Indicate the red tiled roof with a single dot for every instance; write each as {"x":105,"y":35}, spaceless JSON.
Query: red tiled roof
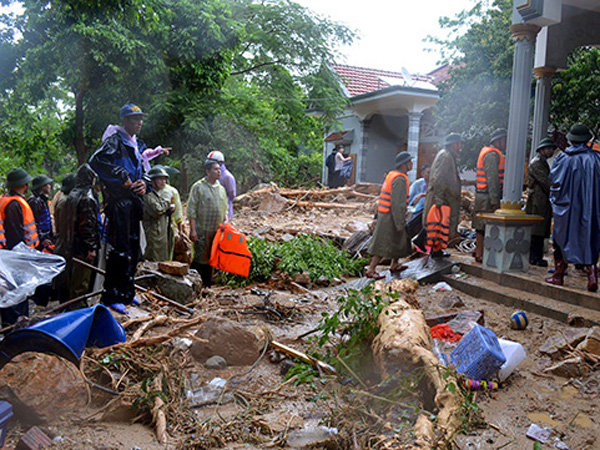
{"x":361,"y":80}
{"x":440,"y":74}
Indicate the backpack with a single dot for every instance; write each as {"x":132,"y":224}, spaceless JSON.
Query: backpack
{"x":330,"y":162}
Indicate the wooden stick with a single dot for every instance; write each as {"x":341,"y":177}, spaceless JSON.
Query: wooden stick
{"x":141,"y":288}
{"x":304,"y":357}
{"x":328,"y":205}
{"x":55,"y":308}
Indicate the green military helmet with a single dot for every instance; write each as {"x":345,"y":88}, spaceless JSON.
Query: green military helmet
{"x":546,"y":142}
{"x":156,"y":172}
{"x":40,"y":181}
{"x":452,"y":138}
{"x":579,"y":133}
{"x":17,"y":177}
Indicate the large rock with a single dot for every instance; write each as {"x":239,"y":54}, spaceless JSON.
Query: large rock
{"x":42,"y":388}
{"x":228,"y":339}
{"x":182,"y":289}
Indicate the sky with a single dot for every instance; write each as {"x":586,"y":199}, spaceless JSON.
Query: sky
{"x":392,"y":31}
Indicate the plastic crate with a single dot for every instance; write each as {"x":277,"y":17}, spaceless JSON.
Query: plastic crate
{"x":6,"y":412}
{"x":478,"y":354}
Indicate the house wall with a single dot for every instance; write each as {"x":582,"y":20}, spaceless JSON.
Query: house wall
{"x":386,"y":136}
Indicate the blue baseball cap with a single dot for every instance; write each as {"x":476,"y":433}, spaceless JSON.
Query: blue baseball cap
{"x":131,"y":110}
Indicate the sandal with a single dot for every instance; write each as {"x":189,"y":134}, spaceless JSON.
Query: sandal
{"x":374,"y":275}
{"x":119,"y":307}
{"x":398,"y":268}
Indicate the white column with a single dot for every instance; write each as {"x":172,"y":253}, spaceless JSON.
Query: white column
{"x":518,"y":116}
{"x":541,"y":108}
{"x":414,"y":126}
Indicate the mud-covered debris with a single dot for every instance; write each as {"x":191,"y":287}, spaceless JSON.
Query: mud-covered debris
{"x":569,"y":368}
{"x":591,"y":343}
{"x":311,"y":436}
{"x":559,"y":343}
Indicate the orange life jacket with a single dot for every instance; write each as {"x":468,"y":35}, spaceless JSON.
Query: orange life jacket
{"x":229,"y":251}
{"x":482,"y":182}
{"x":31,"y":235}
{"x":438,"y":227}
{"x":385,"y":196}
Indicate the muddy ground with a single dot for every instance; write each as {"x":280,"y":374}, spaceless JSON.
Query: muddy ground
{"x":267,"y":411}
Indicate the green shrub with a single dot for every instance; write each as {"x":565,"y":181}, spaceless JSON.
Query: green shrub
{"x":304,"y":253}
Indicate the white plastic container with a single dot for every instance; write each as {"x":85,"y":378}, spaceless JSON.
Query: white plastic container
{"x":514,"y":353}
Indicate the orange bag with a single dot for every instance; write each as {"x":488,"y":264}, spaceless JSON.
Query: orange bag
{"x":230,"y":252}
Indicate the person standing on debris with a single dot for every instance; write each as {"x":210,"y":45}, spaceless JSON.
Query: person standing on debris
{"x":177,"y":216}
{"x":538,"y":199}
{"x":82,"y":230}
{"x":575,"y":198}
{"x":118,"y":163}
{"x":61,"y":282}
{"x":443,"y":191}
{"x":490,"y":182}
{"x":17,"y":224}
{"x":206,"y":210}
{"x":158,"y":209}
{"x":39,"y":202}
{"x":227,"y":180}
{"x":390,"y":239}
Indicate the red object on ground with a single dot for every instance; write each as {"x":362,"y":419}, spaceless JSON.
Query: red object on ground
{"x":443,"y":332}
{"x":229,"y":251}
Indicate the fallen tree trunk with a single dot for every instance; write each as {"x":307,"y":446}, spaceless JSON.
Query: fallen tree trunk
{"x":403,"y":346}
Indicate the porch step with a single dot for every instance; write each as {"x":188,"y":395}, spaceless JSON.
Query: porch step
{"x":525,"y":292}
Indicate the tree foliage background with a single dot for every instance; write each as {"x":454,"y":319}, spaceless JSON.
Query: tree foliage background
{"x":475,"y":99}
{"x":232,"y":75}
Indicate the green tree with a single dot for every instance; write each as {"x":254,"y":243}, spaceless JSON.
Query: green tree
{"x":576,"y":91}
{"x":108,"y":53}
{"x":475,"y":99}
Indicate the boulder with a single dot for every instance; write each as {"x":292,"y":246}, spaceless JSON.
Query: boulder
{"x":227,"y":339}
{"x":182,"y":289}
{"x":42,"y":388}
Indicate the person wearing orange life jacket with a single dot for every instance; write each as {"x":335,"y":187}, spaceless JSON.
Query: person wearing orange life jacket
{"x":390,"y":239}
{"x":444,"y":190}
{"x":17,"y":225}
{"x":490,"y":181}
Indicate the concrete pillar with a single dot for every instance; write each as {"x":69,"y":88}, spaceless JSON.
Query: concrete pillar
{"x":518,"y":116}
{"x":541,"y":108}
{"x":508,"y":230}
{"x":364,"y":150}
{"x":414,"y":126}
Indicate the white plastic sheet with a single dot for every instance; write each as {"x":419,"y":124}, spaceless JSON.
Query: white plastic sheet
{"x":22,"y":269}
